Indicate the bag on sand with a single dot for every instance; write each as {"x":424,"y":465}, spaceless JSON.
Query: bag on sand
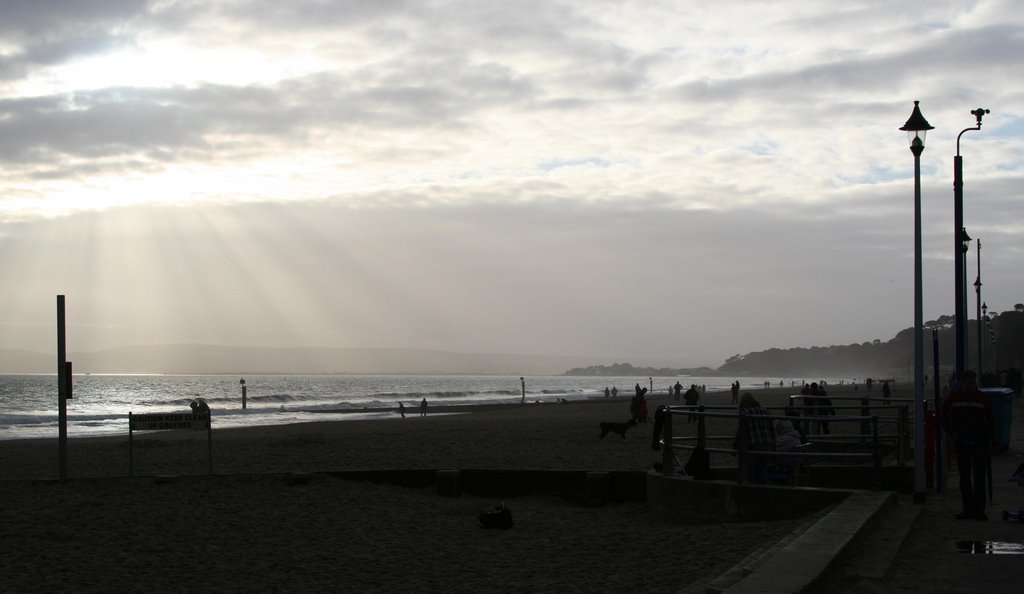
{"x":699,"y":464}
{"x":500,"y":518}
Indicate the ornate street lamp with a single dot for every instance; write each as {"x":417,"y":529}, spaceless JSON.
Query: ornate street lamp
{"x":916,"y":128}
{"x":959,"y":275}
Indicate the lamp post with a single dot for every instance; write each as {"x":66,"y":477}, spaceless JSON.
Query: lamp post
{"x":977,"y":303}
{"x":958,"y":225}
{"x":916,"y":128}
{"x":982,"y":325}
{"x":965,"y":249}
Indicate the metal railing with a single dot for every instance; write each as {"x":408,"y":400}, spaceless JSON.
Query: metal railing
{"x":872,"y":440}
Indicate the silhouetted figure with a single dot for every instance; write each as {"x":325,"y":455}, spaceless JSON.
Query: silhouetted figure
{"x":691,"y":397}
{"x":967,"y":418}
{"x":885,"y":389}
{"x":615,"y":392}
{"x":636,"y":403}
{"x":755,"y":432}
{"x":607,"y":393}
{"x":401,"y":409}
{"x":679,"y":390}
{"x":823,"y":405}
{"x":423,"y":408}
{"x":736,"y":392}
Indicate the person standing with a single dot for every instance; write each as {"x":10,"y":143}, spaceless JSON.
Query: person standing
{"x":607,"y":393}
{"x":967,"y":418}
{"x":691,"y":397}
{"x":423,"y":408}
{"x":679,"y":390}
{"x":736,"y":392}
{"x":401,"y":408}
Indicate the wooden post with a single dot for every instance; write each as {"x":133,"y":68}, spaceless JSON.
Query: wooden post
{"x":62,"y":385}
{"x":667,"y":454}
{"x":902,"y":427}
{"x":877,"y":475}
{"x":865,"y":410}
{"x":209,"y":437}
{"x":131,"y":449}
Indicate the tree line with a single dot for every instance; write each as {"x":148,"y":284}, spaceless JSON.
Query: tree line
{"x":1002,"y":337}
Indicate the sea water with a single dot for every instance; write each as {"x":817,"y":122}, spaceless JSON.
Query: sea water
{"x":100,"y":403}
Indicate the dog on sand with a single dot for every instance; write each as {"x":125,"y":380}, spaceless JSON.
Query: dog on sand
{"x":619,"y":428}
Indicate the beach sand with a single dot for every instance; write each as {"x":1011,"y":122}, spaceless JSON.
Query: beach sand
{"x":246,"y":528}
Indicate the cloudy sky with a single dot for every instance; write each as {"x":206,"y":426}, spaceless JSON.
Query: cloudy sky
{"x":636,"y":181}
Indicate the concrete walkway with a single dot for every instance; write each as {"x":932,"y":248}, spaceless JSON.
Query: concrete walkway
{"x":883,"y":542}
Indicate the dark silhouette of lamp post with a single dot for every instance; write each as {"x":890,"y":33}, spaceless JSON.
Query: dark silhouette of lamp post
{"x":916,"y":128}
{"x":982,"y":325}
{"x":965,"y":249}
{"x":959,"y":274}
{"x":977,"y":303}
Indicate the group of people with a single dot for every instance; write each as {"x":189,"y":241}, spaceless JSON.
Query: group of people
{"x":817,"y":403}
{"x":423,"y":408}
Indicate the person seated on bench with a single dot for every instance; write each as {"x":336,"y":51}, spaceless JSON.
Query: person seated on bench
{"x":787,"y":438}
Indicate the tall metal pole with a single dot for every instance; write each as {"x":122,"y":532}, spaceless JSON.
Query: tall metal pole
{"x":916,"y":128}
{"x":919,"y":479}
{"x":958,"y":255}
{"x":977,"y":297}
{"x":62,"y":384}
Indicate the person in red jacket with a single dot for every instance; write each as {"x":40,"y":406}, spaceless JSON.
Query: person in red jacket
{"x":967,"y":418}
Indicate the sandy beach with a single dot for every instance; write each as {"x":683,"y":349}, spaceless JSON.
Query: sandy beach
{"x":248,"y":528}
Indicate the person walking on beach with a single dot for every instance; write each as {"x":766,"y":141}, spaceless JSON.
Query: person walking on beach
{"x":967,"y":418}
{"x":607,"y":393}
{"x":401,"y":409}
{"x":615,"y":392}
{"x":423,"y":408}
{"x":736,"y":392}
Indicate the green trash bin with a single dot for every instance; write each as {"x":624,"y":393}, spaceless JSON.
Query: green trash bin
{"x":1002,"y":415}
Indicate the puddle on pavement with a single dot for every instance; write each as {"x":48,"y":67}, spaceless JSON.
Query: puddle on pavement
{"x":986,"y":547}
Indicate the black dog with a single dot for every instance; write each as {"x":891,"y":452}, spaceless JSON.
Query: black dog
{"x":619,"y":428}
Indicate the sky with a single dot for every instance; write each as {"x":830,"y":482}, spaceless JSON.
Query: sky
{"x":639,"y":182}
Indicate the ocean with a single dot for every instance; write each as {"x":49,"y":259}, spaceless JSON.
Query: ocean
{"x":101,"y":403}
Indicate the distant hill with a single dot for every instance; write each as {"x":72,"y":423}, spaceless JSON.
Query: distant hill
{"x":628,"y":370}
{"x":207,"y":359}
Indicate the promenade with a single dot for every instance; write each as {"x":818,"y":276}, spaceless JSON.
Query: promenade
{"x":870,"y":546}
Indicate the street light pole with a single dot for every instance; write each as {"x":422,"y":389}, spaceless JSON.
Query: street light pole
{"x":916,"y":128}
{"x":984,"y":326}
{"x":977,"y":299}
{"x":958,"y":225}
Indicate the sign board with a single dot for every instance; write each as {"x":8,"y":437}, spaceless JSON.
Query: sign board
{"x":169,"y":421}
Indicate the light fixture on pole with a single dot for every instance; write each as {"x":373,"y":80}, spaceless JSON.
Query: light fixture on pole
{"x":916,"y":128}
{"x":958,"y":224}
